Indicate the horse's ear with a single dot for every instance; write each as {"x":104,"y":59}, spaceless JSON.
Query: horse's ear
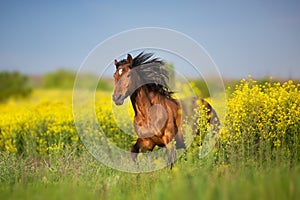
{"x":116,"y":63}
{"x":129,"y":59}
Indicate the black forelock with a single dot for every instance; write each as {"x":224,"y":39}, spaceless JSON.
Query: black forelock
{"x":122,"y":62}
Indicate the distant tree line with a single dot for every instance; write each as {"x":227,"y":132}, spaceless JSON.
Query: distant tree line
{"x":14,"y":84}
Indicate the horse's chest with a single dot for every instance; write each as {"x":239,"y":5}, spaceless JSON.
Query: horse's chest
{"x":145,"y":128}
{"x":141,"y":121}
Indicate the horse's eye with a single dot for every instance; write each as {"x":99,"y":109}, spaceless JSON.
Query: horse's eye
{"x":120,"y":71}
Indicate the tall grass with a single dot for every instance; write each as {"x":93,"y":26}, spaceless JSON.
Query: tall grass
{"x":81,"y":177}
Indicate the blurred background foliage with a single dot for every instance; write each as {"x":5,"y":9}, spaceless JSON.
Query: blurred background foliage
{"x":64,"y":79}
{"x":13,"y":84}
{"x":17,"y":85}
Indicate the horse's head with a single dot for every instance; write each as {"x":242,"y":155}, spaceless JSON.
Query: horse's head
{"x":124,"y":81}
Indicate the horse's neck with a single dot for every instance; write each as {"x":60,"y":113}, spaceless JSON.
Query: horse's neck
{"x":141,"y":102}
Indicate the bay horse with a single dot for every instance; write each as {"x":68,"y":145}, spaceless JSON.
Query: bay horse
{"x":157,"y":115}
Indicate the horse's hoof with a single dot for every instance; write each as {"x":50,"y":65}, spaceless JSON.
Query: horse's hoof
{"x":172,"y":165}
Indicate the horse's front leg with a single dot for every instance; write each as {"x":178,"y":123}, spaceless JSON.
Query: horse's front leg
{"x":167,"y":139}
{"x":135,"y":149}
{"x":143,"y":145}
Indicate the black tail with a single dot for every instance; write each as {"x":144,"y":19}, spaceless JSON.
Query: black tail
{"x":212,"y":118}
{"x":190,"y":105}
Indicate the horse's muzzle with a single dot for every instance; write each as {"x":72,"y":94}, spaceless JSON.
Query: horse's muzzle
{"x":118,"y":99}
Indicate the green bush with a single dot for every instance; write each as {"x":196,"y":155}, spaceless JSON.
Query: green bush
{"x":13,"y":84}
{"x":201,"y":85}
{"x":65,"y":79}
{"x":61,"y":78}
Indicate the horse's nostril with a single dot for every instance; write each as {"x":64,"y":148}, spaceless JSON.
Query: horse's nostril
{"x":117,"y":97}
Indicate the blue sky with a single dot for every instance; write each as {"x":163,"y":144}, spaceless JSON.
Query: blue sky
{"x":243,"y":37}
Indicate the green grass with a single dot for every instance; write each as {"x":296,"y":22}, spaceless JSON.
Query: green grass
{"x":71,"y":176}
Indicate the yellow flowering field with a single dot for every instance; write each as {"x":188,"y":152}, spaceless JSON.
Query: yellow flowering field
{"x":41,"y":124}
{"x":44,"y":124}
{"x":262,"y":120}
{"x":259,"y":118}
{"x":256,"y":155}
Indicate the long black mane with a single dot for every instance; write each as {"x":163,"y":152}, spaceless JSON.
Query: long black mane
{"x":152,"y":72}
